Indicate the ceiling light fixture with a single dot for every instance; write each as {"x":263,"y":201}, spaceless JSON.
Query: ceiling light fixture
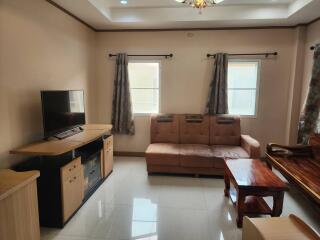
{"x":124,"y":2}
{"x":199,"y":4}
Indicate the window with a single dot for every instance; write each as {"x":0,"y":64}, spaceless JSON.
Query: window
{"x":243,"y":83}
{"x":144,"y":80}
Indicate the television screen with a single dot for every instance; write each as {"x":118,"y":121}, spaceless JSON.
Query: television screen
{"x":62,"y":111}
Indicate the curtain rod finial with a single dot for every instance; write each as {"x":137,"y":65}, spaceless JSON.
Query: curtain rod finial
{"x":274,"y":54}
{"x":211,"y":55}
{"x":169,"y":56}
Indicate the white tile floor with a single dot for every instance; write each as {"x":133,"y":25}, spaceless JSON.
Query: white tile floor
{"x":132,"y":205}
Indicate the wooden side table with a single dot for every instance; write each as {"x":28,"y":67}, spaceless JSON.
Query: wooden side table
{"x":19,"y":218}
{"x":251,"y":180}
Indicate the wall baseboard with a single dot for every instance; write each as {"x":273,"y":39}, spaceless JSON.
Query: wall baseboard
{"x":129,"y":154}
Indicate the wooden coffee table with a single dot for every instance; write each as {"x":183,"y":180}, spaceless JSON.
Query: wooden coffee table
{"x":247,"y":181}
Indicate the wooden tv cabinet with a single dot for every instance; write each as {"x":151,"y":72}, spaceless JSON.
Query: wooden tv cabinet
{"x":62,"y":186}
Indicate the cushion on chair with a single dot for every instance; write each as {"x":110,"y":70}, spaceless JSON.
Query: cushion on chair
{"x":163,"y":154}
{"x":195,"y":155}
{"x":164,"y":128}
{"x":225,"y":130}
{"x":194,"y":129}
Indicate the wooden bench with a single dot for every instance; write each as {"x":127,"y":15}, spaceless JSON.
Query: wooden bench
{"x":299,"y":166}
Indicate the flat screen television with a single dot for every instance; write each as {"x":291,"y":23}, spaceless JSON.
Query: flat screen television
{"x":62,"y":111}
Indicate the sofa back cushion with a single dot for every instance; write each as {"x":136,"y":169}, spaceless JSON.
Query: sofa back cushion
{"x":165,"y":128}
{"x":225,"y":130}
{"x":194,"y":129}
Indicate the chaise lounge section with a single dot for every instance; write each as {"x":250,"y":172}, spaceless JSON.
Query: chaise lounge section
{"x":196,"y":144}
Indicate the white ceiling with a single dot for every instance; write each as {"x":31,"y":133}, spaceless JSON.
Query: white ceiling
{"x":170,"y":3}
{"x":157,"y":14}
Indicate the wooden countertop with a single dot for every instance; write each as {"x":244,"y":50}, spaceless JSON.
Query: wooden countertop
{"x":11,"y":181}
{"x":56,"y":147}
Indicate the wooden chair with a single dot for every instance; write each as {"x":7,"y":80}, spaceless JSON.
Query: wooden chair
{"x":299,"y":164}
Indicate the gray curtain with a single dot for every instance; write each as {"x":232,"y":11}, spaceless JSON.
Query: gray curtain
{"x":218,"y":95}
{"x":122,"y":117}
{"x":309,"y":119}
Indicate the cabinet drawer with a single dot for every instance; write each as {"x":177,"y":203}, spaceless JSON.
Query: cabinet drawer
{"x":107,"y":162}
{"x":108,"y":143}
{"x":71,"y":168}
{"x":72,"y":194}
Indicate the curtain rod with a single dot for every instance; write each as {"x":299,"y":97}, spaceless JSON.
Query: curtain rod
{"x":248,"y":54}
{"x":146,"y":55}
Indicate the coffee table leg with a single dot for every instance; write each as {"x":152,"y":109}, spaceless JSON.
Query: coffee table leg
{"x":240,"y":207}
{"x":227,"y":185}
{"x":277,"y":204}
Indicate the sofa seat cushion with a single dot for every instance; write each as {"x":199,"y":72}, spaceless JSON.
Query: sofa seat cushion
{"x":163,"y":154}
{"x":196,"y":155}
{"x":220,"y":152}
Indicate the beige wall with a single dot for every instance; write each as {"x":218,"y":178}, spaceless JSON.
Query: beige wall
{"x":41,"y":48}
{"x":296,"y":81}
{"x":185,"y":78}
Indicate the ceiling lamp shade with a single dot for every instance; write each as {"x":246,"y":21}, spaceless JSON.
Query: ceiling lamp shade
{"x":199,"y":4}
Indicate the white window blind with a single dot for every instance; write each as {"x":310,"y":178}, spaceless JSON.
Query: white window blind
{"x":243,"y":81}
{"x":144,"y":77}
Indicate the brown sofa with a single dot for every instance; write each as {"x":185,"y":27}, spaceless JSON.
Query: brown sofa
{"x":196,"y":144}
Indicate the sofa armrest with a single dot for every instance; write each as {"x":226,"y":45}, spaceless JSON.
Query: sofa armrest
{"x":251,"y":146}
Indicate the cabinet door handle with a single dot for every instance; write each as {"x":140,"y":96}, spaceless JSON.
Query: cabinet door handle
{"x":74,"y":166}
{"x":72,"y":180}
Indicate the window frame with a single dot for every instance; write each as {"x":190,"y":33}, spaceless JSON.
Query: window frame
{"x":160,"y":82}
{"x":258,"y":61}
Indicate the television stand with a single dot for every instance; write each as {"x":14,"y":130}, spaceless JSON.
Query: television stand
{"x":68,"y":133}
{"x":71,"y":169}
